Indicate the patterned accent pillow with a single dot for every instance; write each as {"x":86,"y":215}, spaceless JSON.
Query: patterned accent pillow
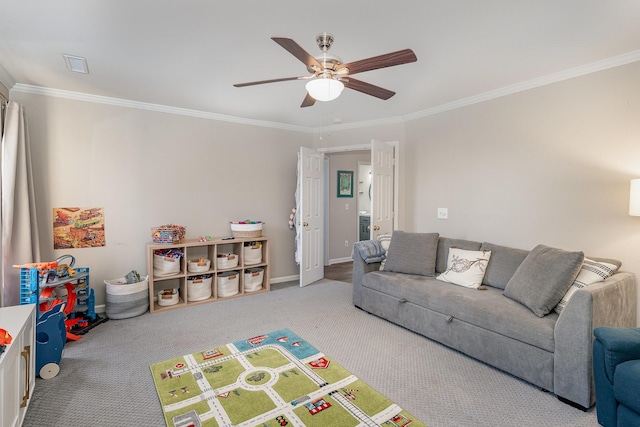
{"x":385,"y":241}
{"x":465,"y":268}
{"x":590,"y":273}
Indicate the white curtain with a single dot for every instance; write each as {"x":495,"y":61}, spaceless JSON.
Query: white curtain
{"x":20,"y":243}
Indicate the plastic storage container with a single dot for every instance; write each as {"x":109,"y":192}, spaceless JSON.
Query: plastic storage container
{"x":228,"y":283}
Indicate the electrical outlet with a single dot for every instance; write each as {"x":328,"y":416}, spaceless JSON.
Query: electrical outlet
{"x":443,"y":213}
{"x":346,"y":243}
{"x":346,"y":206}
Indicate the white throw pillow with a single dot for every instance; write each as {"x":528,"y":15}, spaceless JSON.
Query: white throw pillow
{"x":385,"y":241}
{"x":465,"y":268}
{"x":590,"y":273}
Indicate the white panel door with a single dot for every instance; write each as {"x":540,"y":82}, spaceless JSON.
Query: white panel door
{"x":382,"y":185}
{"x":311,"y":215}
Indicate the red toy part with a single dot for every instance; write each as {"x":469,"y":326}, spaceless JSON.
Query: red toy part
{"x":5,"y":337}
{"x":70,"y":303}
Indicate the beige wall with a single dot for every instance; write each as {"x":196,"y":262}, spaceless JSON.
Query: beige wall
{"x":149,"y":168}
{"x":343,"y":221}
{"x":550,"y":165}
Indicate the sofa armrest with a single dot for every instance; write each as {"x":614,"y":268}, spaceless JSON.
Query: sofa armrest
{"x":612,"y":302}
{"x":619,"y":345}
{"x":360,"y":268}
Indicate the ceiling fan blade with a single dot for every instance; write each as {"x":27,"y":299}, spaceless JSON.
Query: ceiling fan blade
{"x":308,"y":101}
{"x":271,"y":81}
{"x":296,"y":50}
{"x":367,"y":88}
{"x":387,"y":60}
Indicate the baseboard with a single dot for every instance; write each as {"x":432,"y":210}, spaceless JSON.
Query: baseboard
{"x":285,"y":279}
{"x":340,"y":260}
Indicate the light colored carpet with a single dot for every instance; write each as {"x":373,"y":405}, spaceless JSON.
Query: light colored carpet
{"x":104,"y":378}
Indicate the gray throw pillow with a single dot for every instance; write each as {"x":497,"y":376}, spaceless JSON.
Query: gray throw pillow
{"x":412,"y":253}
{"x":545,"y":275}
{"x":503,"y":263}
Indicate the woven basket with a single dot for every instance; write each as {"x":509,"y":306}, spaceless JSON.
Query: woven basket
{"x":246,"y":230}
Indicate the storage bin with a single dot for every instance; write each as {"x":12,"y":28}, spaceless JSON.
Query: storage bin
{"x":168,"y":297}
{"x":125,"y":300}
{"x":252,"y":253}
{"x":165,"y":266}
{"x":199,"y":287}
{"x":168,"y":234}
{"x":253,"y":278}
{"x":225,"y":261}
{"x":228,"y":283}
{"x":198,"y":265}
{"x":246,"y":230}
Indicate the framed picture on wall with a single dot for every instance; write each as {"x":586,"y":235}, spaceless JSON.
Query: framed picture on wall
{"x":345,"y":183}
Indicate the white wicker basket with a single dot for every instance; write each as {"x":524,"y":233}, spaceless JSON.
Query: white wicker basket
{"x":224,"y":261}
{"x":246,"y":230}
{"x":228,"y":284}
{"x":199,"y":287}
{"x":253,"y":278}
{"x":253,"y":254}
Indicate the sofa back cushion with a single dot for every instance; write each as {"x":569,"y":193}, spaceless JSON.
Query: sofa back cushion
{"x":545,"y":275}
{"x":444,"y":243}
{"x":412,"y":253}
{"x":503,"y":263}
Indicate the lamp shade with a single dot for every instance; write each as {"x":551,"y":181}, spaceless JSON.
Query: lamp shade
{"x":634,"y":197}
{"x":324,"y":89}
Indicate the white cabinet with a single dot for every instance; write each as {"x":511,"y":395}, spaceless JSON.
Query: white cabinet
{"x":17,"y":363}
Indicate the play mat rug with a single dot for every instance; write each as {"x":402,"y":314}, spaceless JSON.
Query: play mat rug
{"x":277,"y":379}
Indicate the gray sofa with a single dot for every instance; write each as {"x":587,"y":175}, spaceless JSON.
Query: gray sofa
{"x":553,"y":351}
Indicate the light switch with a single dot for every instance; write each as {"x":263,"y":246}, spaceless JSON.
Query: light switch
{"x":443,"y":213}
{"x":346,"y":206}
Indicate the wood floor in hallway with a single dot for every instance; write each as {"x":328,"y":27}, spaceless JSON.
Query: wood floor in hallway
{"x":342,"y":272}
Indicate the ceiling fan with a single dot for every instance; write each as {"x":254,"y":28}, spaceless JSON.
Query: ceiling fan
{"x":329,"y":75}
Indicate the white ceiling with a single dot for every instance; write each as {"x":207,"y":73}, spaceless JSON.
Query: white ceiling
{"x":188,"y":54}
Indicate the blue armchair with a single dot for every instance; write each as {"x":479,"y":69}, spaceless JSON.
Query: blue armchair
{"x":616,"y":371}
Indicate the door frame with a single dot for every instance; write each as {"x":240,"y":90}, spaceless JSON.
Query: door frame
{"x":396,"y":179}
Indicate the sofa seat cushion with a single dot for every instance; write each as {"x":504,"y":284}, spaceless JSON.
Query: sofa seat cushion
{"x":487,"y":309}
{"x":625,"y":384}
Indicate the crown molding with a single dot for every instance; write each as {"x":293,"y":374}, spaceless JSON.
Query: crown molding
{"x":570,"y":73}
{"x":118,"y":102}
{"x":593,"y":67}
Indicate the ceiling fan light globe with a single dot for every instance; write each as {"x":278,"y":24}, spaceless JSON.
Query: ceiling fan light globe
{"x":324,"y":89}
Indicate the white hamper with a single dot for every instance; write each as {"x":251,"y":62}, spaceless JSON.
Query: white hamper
{"x":126,"y":300}
{"x":253,"y":279}
{"x":252,"y":253}
{"x":228,"y":283}
{"x":199,"y":287}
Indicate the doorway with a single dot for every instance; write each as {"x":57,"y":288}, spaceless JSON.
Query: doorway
{"x":316,"y":230}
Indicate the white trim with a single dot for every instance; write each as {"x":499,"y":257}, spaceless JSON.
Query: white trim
{"x":343,"y":148}
{"x":582,"y":70}
{"x":294,"y":278}
{"x":78,"y":96}
{"x":616,"y":61}
{"x":340,"y":260}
